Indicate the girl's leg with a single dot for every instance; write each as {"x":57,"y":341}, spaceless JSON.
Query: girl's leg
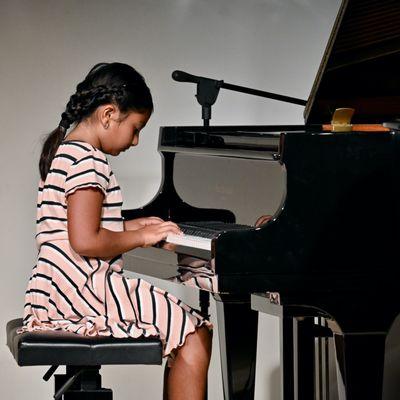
{"x":187,"y":377}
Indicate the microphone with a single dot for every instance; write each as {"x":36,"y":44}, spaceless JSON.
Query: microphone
{"x":181,"y":76}
{"x":207,"y":91}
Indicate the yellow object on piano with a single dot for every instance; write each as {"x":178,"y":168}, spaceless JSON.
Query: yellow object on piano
{"x":341,"y":122}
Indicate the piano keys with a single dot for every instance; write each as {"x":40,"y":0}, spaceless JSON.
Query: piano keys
{"x":187,"y":240}
{"x":200,"y":234}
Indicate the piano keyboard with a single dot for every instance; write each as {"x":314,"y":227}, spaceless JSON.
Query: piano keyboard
{"x":199,"y":234}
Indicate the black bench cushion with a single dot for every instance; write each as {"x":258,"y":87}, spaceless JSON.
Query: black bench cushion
{"x":67,"y":348}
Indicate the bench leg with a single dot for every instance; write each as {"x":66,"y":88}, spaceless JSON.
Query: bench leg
{"x":81,"y":383}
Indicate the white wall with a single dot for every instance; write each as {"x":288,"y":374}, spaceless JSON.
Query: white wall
{"x":46,"y":49}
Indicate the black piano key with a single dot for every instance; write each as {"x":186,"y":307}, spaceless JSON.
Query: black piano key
{"x":209,"y":229}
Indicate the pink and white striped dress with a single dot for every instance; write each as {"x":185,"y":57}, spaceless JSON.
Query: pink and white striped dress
{"x":85,"y":295}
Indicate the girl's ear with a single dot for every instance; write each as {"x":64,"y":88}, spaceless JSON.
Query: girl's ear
{"x":107,"y":112}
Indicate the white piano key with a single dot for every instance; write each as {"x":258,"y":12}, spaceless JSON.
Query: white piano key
{"x":190,"y":241}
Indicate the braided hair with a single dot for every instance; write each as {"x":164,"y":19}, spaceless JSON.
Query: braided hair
{"x":115,"y":83}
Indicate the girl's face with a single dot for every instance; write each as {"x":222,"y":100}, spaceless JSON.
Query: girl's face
{"x":123,"y":131}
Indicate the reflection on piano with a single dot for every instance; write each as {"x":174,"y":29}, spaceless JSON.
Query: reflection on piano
{"x":334,"y":194}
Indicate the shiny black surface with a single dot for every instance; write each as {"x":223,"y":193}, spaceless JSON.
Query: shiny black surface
{"x":340,"y":212}
{"x":232,"y":141}
{"x":210,"y":143}
{"x":169,"y":206}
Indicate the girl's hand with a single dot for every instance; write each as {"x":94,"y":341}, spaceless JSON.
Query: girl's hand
{"x":154,"y":233}
{"x":262,"y":220}
{"x":135,"y":224}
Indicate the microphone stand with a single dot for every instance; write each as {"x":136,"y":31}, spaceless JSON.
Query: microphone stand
{"x":208,"y":90}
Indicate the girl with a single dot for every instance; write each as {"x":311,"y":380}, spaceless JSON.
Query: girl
{"x":77,"y":284}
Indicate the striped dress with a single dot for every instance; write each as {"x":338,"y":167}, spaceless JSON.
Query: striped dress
{"x":86,"y":295}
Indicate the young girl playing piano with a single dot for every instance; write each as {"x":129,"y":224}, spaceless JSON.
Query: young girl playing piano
{"x":77,"y":284}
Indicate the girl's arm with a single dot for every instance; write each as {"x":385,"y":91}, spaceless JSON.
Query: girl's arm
{"x":87,"y":238}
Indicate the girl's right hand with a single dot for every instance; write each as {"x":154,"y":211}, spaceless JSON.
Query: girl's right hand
{"x":134,"y":224}
{"x":152,"y":234}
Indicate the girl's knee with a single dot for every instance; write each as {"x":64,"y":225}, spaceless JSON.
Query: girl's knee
{"x":197,"y":346}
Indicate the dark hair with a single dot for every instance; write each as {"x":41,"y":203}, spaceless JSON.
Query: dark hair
{"x":115,"y":83}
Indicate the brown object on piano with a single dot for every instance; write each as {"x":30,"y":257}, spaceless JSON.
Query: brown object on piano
{"x":360,"y":128}
{"x":341,"y":122}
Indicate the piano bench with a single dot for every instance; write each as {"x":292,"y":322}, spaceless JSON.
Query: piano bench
{"x":83,"y":357}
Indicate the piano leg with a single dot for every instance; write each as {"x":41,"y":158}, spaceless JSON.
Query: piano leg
{"x":297,"y":355}
{"x":237,"y":328}
{"x":287,"y":357}
{"x":305,"y":366}
{"x":204,"y":302}
{"x":361,"y":361}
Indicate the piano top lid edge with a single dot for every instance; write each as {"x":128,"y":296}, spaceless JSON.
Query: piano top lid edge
{"x":240,"y":130}
{"x":359,"y":68}
{"x":223,"y":128}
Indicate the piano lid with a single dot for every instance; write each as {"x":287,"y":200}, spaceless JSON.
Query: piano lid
{"x":360,"y":68}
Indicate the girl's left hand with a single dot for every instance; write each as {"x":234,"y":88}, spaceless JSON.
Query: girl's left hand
{"x":135,"y":224}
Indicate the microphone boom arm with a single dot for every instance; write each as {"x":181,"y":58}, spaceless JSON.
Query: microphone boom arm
{"x":208,"y":90}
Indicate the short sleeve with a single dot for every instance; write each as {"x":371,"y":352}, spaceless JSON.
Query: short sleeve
{"x":90,"y":171}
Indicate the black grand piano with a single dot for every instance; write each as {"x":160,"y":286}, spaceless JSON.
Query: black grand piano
{"x":332,"y":187}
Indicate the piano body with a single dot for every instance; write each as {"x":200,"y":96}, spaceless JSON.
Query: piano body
{"x":333,"y":191}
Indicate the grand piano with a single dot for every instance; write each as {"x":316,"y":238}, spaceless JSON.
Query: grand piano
{"x":332,"y":187}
